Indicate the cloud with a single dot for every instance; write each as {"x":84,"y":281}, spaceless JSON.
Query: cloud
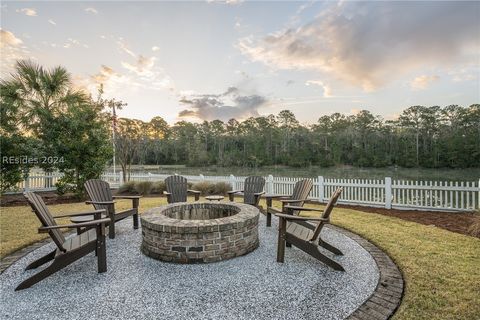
{"x":52,"y":22}
{"x":91,"y":10}
{"x":225,"y":106}
{"x":327,"y":90}
{"x":123,"y":46}
{"x":155,"y":48}
{"x":228,"y":2}
{"x":142,"y":66}
{"x":74,"y":43}
{"x":423,"y":82}
{"x":31,"y":12}
{"x":12,"y":49}
{"x":9,"y":39}
{"x":370,"y":44}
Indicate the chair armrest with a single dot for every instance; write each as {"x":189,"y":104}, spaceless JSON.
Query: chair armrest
{"x":291,"y":217}
{"x":259,"y":193}
{"x":100,"y":202}
{"x":290,"y":200}
{"x":127,"y":197}
{"x":75,"y":225}
{"x":79,"y":214}
{"x":166,"y":193}
{"x":276,"y":196}
{"x":234,"y":191}
{"x":302,"y":208}
{"x":194,"y":191}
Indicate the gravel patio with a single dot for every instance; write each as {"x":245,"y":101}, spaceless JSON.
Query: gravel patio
{"x":253,"y":286}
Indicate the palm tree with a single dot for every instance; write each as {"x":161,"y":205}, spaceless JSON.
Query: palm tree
{"x":37,"y":94}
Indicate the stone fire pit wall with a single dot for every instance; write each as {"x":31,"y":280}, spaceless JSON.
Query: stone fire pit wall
{"x":199,"y":232}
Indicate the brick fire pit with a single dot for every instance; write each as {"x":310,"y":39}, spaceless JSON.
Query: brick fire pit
{"x":199,"y":232}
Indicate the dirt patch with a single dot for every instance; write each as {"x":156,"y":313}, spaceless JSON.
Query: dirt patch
{"x":452,"y":221}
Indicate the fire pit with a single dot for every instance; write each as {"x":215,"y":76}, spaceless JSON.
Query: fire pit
{"x":199,"y":232}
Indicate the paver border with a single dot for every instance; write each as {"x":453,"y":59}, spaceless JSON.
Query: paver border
{"x":381,"y":305}
{"x":387,"y":297}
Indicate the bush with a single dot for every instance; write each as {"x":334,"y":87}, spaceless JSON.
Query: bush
{"x":127,"y":187}
{"x":143,"y":187}
{"x":222,"y":188}
{"x":158,"y":187}
{"x":208,"y":188}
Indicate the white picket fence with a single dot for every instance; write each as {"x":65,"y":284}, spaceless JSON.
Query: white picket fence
{"x":386,"y":193}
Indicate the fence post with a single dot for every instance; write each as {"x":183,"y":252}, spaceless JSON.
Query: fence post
{"x":321,"y":192}
{"x":388,"y":193}
{"x":478,"y":197}
{"x":120,"y":180}
{"x":202,"y":177}
{"x":26,"y":184}
{"x":232,"y":181}
{"x":270,"y":184}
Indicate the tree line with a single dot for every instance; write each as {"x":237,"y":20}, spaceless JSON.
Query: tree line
{"x":430,"y":137}
{"x":47,"y":123}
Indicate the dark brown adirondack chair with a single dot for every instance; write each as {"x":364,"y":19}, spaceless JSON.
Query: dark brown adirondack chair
{"x":101,"y":198}
{"x":252,"y":190}
{"x":68,"y":250}
{"x":177,"y":189}
{"x":306,"y":236}
{"x":299,"y":195}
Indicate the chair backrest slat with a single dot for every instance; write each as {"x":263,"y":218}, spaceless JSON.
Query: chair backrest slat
{"x":301,"y":190}
{"x":43,"y":214}
{"x":99,"y":190}
{"x":326,"y":213}
{"x":253,"y":184}
{"x":177,"y":186}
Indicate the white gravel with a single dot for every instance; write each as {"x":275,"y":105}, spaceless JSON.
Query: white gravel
{"x":254,"y":286}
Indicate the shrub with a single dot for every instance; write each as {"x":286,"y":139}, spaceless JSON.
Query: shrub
{"x":158,"y":187}
{"x":222,"y":188}
{"x":205,"y":188}
{"x":208,"y":188}
{"x":143,"y":187}
{"x":127,"y":187}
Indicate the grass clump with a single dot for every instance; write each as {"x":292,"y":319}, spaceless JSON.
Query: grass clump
{"x":143,"y":187}
{"x":209,"y":188}
{"x":158,"y":187}
{"x":127,"y":187}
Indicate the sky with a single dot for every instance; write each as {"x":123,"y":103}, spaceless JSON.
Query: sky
{"x":206,"y":60}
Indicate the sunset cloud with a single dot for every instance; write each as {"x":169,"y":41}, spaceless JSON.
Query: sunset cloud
{"x":229,"y":105}
{"x":28,"y":12}
{"x":423,"y":82}
{"x":370,"y":44}
{"x":12,"y":50}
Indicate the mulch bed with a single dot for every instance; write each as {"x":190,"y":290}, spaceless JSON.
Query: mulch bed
{"x":455,"y":222}
{"x":458,"y":222}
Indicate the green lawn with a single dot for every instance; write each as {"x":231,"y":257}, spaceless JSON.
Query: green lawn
{"x":441,"y":268}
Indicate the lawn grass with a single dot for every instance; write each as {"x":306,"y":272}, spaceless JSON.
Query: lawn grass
{"x":441,"y":268}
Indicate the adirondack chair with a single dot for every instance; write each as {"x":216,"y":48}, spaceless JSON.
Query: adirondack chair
{"x":252,"y":190}
{"x":68,"y":250}
{"x":177,"y":189}
{"x":297,"y":231}
{"x":300,"y":193}
{"x":101,"y":198}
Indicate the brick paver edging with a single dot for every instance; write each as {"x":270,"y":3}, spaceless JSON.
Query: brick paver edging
{"x":388,"y":294}
{"x":381,"y":305}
